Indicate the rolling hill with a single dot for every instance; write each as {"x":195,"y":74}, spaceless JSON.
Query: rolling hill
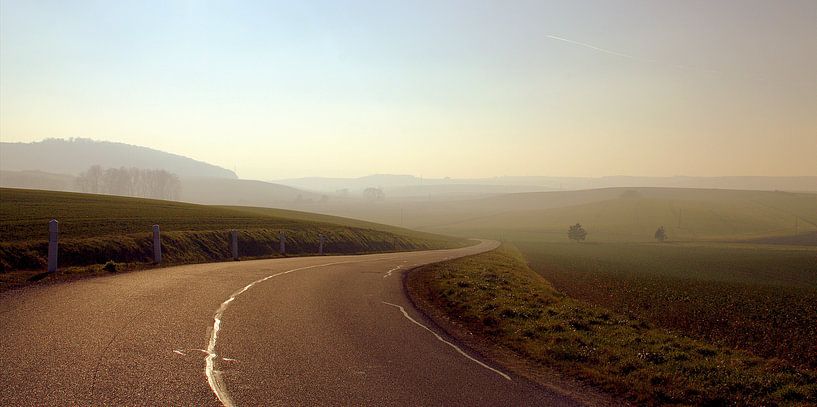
{"x":634,"y":215}
{"x":73,"y":156}
{"x":611,"y":214}
{"x":200,"y":190}
{"x":37,"y":180}
{"x":98,"y":228}
{"x":222,"y":191}
{"x":411,"y":186}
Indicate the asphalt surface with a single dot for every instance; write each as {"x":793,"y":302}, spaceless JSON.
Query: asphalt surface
{"x":309,"y":331}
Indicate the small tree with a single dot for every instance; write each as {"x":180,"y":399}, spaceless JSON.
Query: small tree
{"x":660,"y":234}
{"x":372,"y":194}
{"x":577,"y":232}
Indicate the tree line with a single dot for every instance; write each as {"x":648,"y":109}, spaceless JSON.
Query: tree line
{"x":144,"y":183}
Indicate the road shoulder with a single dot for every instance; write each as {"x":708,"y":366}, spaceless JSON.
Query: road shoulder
{"x":416,"y":284}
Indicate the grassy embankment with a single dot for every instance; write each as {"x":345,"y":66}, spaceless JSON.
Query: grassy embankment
{"x":496,"y":296}
{"x":97,"y":228}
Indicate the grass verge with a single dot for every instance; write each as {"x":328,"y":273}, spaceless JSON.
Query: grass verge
{"x":498,"y":298}
{"x":96,"y":229}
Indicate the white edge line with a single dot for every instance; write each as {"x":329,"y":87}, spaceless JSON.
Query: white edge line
{"x":388,"y":273}
{"x":214,"y":376}
{"x":461,"y":352}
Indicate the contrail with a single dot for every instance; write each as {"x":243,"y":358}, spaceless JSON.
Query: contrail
{"x":628,"y":56}
{"x":678,"y":66}
{"x":593,"y":47}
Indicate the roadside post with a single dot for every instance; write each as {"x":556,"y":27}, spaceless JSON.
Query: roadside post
{"x":282,"y":238}
{"x":53,"y":237}
{"x":320,"y":245}
{"x":157,"y":245}
{"x":234,"y":243}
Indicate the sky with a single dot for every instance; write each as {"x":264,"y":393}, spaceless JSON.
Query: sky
{"x":430,"y":88}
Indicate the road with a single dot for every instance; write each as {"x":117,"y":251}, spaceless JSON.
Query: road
{"x":331,"y":330}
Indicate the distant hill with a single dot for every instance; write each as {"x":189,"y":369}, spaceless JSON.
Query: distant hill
{"x":409,"y":186}
{"x":53,"y":165}
{"x":213,"y":191}
{"x":624,"y":214}
{"x":200,"y":190}
{"x":73,"y":156}
{"x":37,"y":180}
{"x":611,"y":214}
{"x":328,"y":184}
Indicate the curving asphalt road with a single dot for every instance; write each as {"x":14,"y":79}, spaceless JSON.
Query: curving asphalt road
{"x":299,"y":331}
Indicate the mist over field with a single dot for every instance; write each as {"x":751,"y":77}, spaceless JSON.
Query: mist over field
{"x":303,"y":203}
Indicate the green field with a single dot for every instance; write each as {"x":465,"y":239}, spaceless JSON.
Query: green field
{"x":98,"y":228}
{"x":497,"y":297}
{"x":762,"y":299}
{"x":739,"y":269}
{"x":24,"y":215}
{"x":739,"y":272}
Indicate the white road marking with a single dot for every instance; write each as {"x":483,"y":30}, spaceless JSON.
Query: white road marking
{"x":461,"y":352}
{"x":213,"y":375}
{"x":184,"y":352}
{"x":388,"y":273}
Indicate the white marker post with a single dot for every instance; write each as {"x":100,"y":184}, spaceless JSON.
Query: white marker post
{"x":53,"y":237}
{"x":283,"y":240}
{"x":321,"y":239}
{"x":234,"y":240}
{"x":157,"y":245}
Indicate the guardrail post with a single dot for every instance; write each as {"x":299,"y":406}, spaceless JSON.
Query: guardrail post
{"x":234,"y":243}
{"x":53,"y":246}
{"x":320,"y":244}
{"x":157,"y":245}
{"x":283,"y":239}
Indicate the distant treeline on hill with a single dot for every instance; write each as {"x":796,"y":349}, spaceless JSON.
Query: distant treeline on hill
{"x":144,"y":183}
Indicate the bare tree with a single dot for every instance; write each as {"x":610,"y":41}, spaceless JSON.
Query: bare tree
{"x":372,"y":194}
{"x":158,"y":184}
{"x":90,"y":180}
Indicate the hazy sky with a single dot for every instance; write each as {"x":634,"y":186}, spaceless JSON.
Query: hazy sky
{"x":461,"y":89}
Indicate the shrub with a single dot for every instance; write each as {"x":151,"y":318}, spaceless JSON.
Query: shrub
{"x":110,"y":266}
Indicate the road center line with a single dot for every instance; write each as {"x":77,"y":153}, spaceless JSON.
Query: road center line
{"x":461,"y":352}
{"x":213,"y":375}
